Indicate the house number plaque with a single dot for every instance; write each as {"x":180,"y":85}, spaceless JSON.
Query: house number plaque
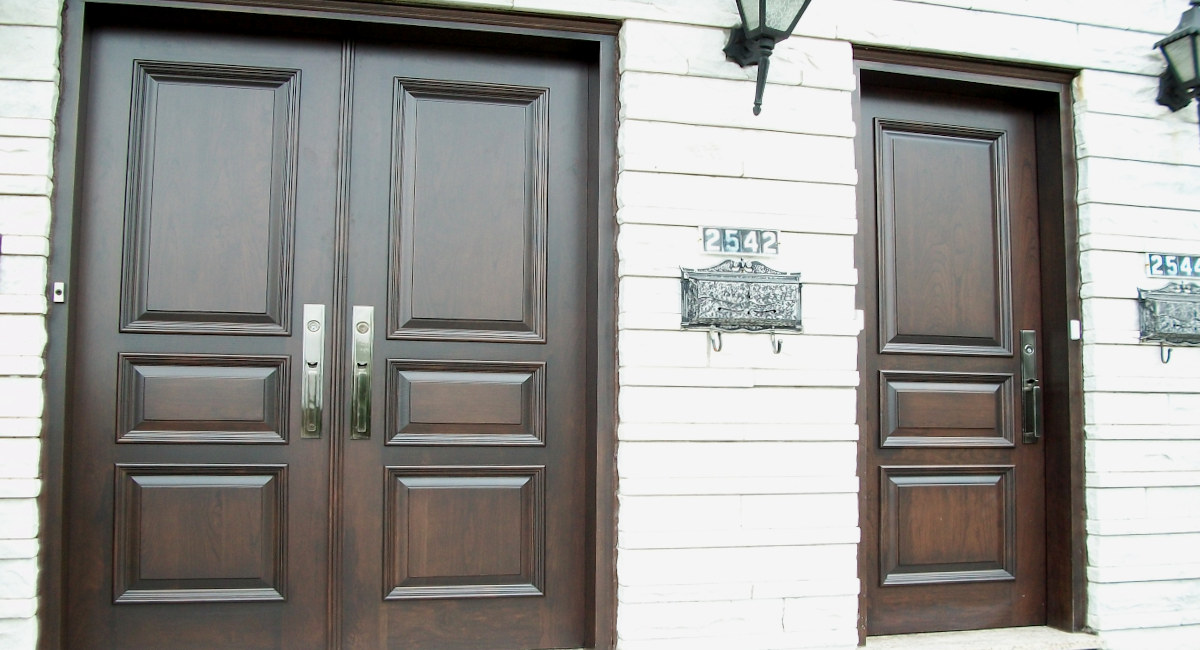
{"x":740,"y":295}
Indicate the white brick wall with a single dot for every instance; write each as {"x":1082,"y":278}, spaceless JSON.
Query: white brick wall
{"x":29,"y":39}
{"x":737,"y":491}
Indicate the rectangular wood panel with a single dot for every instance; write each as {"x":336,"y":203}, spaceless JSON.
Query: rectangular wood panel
{"x":947,"y":524}
{"x":944,"y":268}
{"x":937,"y":409}
{"x":202,"y":398}
{"x":210,"y":199}
{"x":466,"y":403}
{"x":469,"y":211}
{"x":464,"y":532}
{"x":200,"y":533}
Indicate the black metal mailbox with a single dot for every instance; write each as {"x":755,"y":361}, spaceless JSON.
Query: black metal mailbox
{"x":740,"y":295}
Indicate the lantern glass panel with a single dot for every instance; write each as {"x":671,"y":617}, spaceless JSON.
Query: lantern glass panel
{"x":751,"y":14}
{"x":781,"y":14}
{"x":1182,"y":55}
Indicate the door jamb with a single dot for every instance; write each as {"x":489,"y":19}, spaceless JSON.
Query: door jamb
{"x":1048,"y":92}
{"x":601,"y":357}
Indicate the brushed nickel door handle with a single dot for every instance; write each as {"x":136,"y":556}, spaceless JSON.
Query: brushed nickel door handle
{"x":313,"y":373}
{"x":364,"y":322}
{"x":1031,"y":389}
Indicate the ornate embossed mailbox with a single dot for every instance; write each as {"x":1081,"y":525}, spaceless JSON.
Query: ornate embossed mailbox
{"x":740,"y":295}
{"x":1170,"y":315}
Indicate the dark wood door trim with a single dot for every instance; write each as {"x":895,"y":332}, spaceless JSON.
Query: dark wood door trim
{"x":595,"y":39}
{"x":1047,"y":92}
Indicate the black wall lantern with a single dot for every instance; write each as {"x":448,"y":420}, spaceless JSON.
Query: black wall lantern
{"x":1179,"y":83}
{"x":764,"y":23}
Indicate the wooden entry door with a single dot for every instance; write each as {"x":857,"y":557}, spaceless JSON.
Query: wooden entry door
{"x":954,"y":523}
{"x":230,"y":182}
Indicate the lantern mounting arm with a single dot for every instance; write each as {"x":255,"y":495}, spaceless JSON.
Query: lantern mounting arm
{"x":745,"y":53}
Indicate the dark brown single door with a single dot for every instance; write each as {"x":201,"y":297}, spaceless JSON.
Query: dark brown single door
{"x":468,"y":493}
{"x":954,"y":527}
{"x":231,"y":181}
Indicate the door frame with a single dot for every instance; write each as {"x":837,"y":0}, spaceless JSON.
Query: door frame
{"x":1047,"y":92}
{"x":597,"y":37}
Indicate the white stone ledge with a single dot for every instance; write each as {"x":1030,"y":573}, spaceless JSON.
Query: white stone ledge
{"x":634,"y":539}
{"x":701,"y":216}
{"x":1108,"y":479}
{"x":828,"y":484}
{"x":1129,"y":574}
{"x":694,"y":432}
{"x":1015,"y":638}
{"x":1142,"y":432}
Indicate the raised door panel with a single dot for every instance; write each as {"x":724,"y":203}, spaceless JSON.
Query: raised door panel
{"x":945,"y":285}
{"x":933,"y":409}
{"x":947,"y":524}
{"x":469,"y":211}
{"x":466,"y":403}
{"x":203,"y":398}
{"x":465,"y":532}
{"x":210,"y":199}
{"x":192,"y":533}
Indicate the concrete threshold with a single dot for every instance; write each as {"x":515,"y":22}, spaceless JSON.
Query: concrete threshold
{"x":1011,"y":638}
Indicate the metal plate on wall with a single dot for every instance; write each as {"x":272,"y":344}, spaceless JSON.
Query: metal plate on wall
{"x":740,"y":295}
{"x":1171,"y":314}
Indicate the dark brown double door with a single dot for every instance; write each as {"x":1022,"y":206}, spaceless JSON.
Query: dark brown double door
{"x":954,"y":515}
{"x":241,"y":196}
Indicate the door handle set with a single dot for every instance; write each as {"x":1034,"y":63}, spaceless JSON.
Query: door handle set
{"x":313,"y":372}
{"x":1031,"y":389}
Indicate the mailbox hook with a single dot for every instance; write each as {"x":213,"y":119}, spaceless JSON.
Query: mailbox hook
{"x":1164,"y":353}
{"x":714,"y":339}
{"x":776,"y":344}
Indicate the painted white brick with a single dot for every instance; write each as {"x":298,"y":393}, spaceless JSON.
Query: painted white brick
{"x":31,"y":53}
{"x":24,"y":245}
{"x":727,"y":103}
{"x":1175,"y":637}
{"x":708,"y":192}
{"x":17,"y":427}
{"x":699,"y":619}
{"x":844,"y":224}
{"x":26,"y":127}
{"x":1137,"y":138}
{"x":23,"y":304}
{"x":715,"y":151}
{"x":18,"y":548}
{"x":678,"y":485}
{"x":23,"y":335}
{"x":18,"y":578}
{"x":1099,"y":91}
{"x":736,"y":406}
{"x":1141,"y":456}
{"x":25,"y":215}
{"x":836,"y":613}
{"x":760,"y":460}
{"x":27,"y":99}
{"x":13,"y":488}
{"x":814,"y":640}
{"x":1150,"y":16}
{"x":657,"y":431}
{"x":799,"y":510}
{"x":737,"y":538}
{"x":30,"y":12}
{"x":22,"y":274}
{"x":17,"y":607}
{"x":1132,"y":182}
{"x":18,"y":519}
{"x":1135,"y":549}
{"x":18,"y":633}
{"x":20,"y":397}
{"x":674,"y":513}
{"x":19,"y":458}
{"x":688,"y":566}
{"x":24,"y":156}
